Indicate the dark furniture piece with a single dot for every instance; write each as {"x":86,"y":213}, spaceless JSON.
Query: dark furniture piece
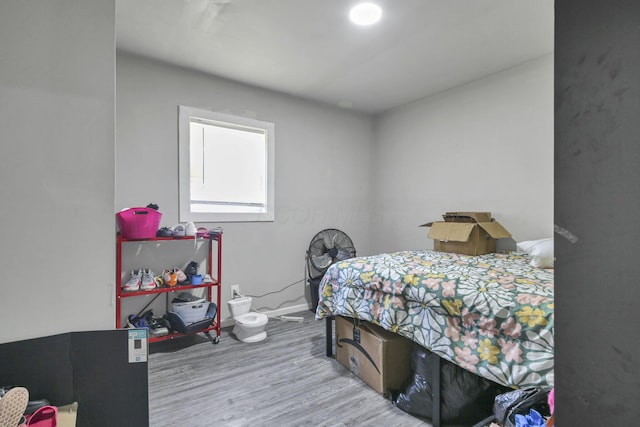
{"x":91,"y":368}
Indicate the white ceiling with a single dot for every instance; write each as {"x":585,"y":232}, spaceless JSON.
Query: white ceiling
{"x":308,"y":48}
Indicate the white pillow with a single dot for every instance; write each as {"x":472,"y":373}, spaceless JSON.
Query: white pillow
{"x":540,"y":250}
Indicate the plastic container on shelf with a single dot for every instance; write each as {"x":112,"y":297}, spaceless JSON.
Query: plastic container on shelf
{"x":138,"y":223}
{"x":191,"y":311}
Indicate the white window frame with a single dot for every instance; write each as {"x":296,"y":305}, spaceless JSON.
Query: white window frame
{"x":185,"y":115}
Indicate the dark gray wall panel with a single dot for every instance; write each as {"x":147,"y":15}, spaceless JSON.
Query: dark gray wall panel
{"x":597,"y":202}
{"x":91,"y":368}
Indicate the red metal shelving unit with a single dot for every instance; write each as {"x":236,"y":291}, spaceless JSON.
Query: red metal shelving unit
{"x":215,"y":275}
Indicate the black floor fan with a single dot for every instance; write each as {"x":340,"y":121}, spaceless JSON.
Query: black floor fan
{"x":327,"y":247}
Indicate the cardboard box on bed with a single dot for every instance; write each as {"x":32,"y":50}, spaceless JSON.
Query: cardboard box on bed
{"x":379,"y":357}
{"x":468,"y":233}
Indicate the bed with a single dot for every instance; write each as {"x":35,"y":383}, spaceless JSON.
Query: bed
{"x":490,"y":314}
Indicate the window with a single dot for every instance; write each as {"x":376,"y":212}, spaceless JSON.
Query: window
{"x":226,"y":167}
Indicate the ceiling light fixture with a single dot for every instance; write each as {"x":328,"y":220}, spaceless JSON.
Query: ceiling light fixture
{"x":365,"y":14}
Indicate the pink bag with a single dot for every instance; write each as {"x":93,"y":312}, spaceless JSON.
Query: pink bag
{"x":45,"y":416}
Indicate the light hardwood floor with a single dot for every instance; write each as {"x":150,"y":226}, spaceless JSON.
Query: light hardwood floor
{"x":285,"y":380}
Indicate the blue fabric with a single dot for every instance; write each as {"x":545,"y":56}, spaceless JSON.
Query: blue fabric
{"x":534,"y":419}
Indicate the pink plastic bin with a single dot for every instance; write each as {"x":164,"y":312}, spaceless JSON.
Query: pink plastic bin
{"x":138,"y":223}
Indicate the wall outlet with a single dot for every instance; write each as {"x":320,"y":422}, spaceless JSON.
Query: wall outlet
{"x":235,"y":291}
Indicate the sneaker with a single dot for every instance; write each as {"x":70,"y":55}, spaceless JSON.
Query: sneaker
{"x":145,"y":320}
{"x":202,"y":232}
{"x":215,"y":232}
{"x":134,"y":282}
{"x":190,"y":229}
{"x":180,"y":276}
{"x":159,"y":281}
{"x":12,"y":406}
{"x":191,"y":269}
{"x":158,"y":327}
{"x":164,"y":232}
{"x":170,"y":278}
{"x":159,"y":331}
{"x":178,"y":230}
{"x":148,"y":281}
{"x":134,"y":321}
{"x":207,"y":279}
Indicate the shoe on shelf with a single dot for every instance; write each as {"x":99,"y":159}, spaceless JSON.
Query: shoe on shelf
{"x":134,"y":282}
{"x":164,"y":232}
{"x":148,"y":282}
{"x":207,"y":279}
{"x":180,"y":276}
{"x":139,"y":322}
{"x":159,"y":281}
{"x":159,"y":331}
{"x":158,"y":326}
{"x":202,"y":232}
{"x":191,"y":269}
{"x":170,"y":278}
{"x":145,"y":320}
{"x":190,"y":229}
{"x":178,"y":230}
{"x":215,"y":232}
{"x":12,"y":406}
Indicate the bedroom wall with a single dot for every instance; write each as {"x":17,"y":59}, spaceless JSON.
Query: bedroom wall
{"x":323,"y":155}
{"x":57,"y":173}
{"x":487,"y":145}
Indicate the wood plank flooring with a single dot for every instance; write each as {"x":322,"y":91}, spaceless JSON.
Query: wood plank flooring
{"x":285,"y":380}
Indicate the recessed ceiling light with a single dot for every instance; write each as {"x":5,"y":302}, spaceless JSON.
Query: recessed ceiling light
{"x":365,"y":13}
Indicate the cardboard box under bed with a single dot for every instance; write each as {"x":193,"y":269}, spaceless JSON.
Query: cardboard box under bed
{"x":379,"y":357}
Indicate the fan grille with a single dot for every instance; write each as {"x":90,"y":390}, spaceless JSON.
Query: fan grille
{"x":327,"y":247}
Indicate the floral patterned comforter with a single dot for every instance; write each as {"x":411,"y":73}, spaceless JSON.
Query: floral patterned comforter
{"x":490,"y":314}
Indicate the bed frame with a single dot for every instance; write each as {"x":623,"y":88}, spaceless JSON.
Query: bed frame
{"x":435,"y":380}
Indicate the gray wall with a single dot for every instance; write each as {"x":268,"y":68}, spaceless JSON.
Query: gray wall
{"x":597,"y":158}
{"x":323,"y":157}
{"x":484,"y":146}
{"x":57,"y":174}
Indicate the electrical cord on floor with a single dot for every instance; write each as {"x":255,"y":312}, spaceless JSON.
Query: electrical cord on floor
{"x":284,"y":318}
{"x":268,"y":315}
